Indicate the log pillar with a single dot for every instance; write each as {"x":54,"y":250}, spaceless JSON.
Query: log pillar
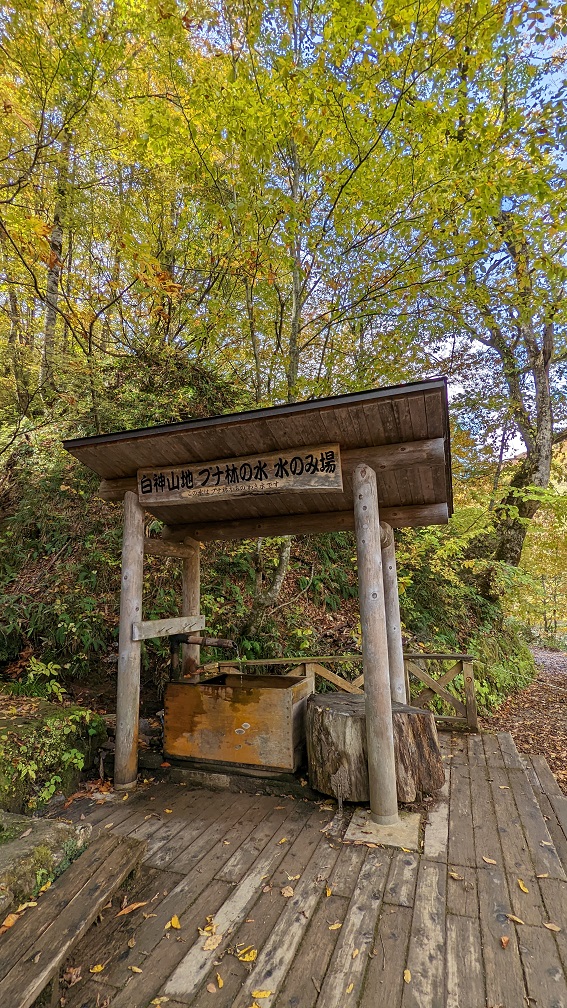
{"x":378,"y":702}
{"x":128,"y":685}
{"x":191,"y":602}
{"x":393,"y":619}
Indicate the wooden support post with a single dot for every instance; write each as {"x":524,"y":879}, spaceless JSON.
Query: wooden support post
{"x":393,"y":620}
{"x":470,"y":696}
{"x":191,"y":602}
{"x":378,"y":702}
{"x":128,"y":687}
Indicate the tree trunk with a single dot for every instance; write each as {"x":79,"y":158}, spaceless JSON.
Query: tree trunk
{"x":337,"y":752}
{"x":266,"y":597}
{"x":54,"y":267}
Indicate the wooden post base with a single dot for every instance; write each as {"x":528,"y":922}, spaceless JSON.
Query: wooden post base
{"x":337,"y":752}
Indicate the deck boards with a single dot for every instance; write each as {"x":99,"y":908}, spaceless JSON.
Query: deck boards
{"x":364,"y":927}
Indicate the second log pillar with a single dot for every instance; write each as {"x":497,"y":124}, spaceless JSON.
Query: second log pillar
{"x":378,"y":702}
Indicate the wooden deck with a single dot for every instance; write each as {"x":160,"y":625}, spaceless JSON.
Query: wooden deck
{"x":356,"y":925}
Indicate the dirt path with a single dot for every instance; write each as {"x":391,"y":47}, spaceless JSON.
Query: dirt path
{"x":537,"y":716}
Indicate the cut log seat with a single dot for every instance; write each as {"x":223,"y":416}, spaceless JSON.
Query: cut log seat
{"x":337,"y":751}
{"x":34,"y":949}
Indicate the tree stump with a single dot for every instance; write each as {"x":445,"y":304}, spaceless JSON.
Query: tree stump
{"x":337,"y":752}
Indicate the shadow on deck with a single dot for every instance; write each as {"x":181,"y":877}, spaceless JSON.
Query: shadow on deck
{"x":294,"y":911}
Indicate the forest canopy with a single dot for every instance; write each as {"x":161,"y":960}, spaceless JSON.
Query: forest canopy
{"x":209,"y":207}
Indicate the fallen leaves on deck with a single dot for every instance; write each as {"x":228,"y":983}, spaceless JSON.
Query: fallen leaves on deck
{"x":130,"y":908}
{"x":407,"y":976}
{"x":504,"y":941}
{"x":9,"y":922}
{"x":523,"y":885}
{"x":517,"y":920}
{"x":96,"y":969}
{"x":72,"y":975}
{"x":173,"y":923}
{"x":287,"y":891}
{"x":551,"y":927}
{"x":247,"y":954}
{"x":528,"y":714}
{"x":212,"y":942}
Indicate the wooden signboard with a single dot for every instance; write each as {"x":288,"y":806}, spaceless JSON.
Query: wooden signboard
{"x":312,"y":468}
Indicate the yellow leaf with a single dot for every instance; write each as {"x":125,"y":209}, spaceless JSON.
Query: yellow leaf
{"x":262,"y":993}
{"x":517,"y":920}
{"x":220,"y":980}
{"x":212,"y":942}
{"x":355,"y":953}
{"x":125,"y":798}
{"x":283,"y":840}
{"x":545,"y":875}
{"x":96,"y":969}
{"x":523,"y":885}
{"x":328,"y":891}
{"x":10,"y":920}
{"x":130,"y":908}
{"x":407,"y":976}
{"x":551,"y":927}
{"x":24,"y":906}
{"x":159,"y":1000}
{"x":45,"y":887}
{"x":460,"y":878}
{"x":335,"y":926}
{"x":173,"y":923}
{"x":109,"y":825}
{"x":287,"y":891}
{"x":488,"y":860}
{"x":131,"y":943}
{"x":350,"y":988}
{"x":248,"y":956}
{"x":168,"y":810}
{"x":293,"y":878}
{"x":135,"y":969}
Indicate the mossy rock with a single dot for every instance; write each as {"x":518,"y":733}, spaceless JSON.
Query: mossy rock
{"x":43,"y":749}
{"x":32,"y":853}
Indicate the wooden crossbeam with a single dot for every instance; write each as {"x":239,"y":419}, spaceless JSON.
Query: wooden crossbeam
{"x":428,"y":694}
{"x":162,"y":548}
{"x":405,"y":455}
{"x":304,"y":524}
{"x":166,"y":627}
{"x":336,"y":680}
{"x":433,"y":684}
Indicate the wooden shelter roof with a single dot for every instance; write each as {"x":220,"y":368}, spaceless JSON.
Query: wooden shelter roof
{"x":401,"y":431}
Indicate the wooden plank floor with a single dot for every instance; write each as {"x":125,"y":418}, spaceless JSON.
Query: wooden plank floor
{"x":286,"y":907}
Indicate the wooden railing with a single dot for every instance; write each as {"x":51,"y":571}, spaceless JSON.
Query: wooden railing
{"x":466,"y":715}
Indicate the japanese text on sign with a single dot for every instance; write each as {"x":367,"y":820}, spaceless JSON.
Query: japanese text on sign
{"x":313,"y":468}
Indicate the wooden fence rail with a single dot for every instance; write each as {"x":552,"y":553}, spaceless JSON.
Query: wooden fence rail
{"x":466,"y":714}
